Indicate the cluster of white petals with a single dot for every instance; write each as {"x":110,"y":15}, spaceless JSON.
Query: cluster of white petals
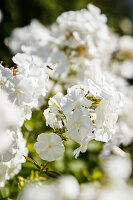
{"x":88,"y":111}
{"x":122,"y":64}
{"x":11,"y":160}
{"x":85,"y":29}
{"x":12,"y":143}
{"x":76,"y":39}
{"x":27,"y":35}
{"x":124,"y":126}
{"x":79,"y":68}
{"x":20,"y":91}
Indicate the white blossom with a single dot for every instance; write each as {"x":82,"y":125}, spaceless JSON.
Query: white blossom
{"x":54,"y":114}
{"x":8,"y":147}
{"x":33,"y":33}
{"x":84,"y":28}
{"x":13,"y":166}
{"x":49,"y":146}
{"x":30,"y":67}
{"x":40,"y":190}
{"x":68,"y":187}
{"x":11,"y":117}
{"x":79,"y":125}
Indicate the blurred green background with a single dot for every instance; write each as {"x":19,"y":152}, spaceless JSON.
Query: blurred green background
{"x":18,"y":13}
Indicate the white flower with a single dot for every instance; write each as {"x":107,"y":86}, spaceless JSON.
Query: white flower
{"x":11,"y":117}
{"x":126,"y":69}
{"x":117,"y":168}
{"x":85,"y":28}
{"x":88,"y":111}
{"x":48,"y":56}
{"x":83,"y":145}
{"x":20,"y":90}
{"x":122,"y":63}
{"x":54,"y":114}
{"x":30,"y":67}
{"x":5,"y":74}
{"x":126,"y":43}
{"x":8,"y":145}
{"x":60,"y":64}
{"x":13,"y":166}
{"x":91,"y":113}
{"x":106,"y":110}
{"x":68,"y":188}
{"x":42,"y":191}
{"x":75,"y":98}
{"x":89,"y":191}
{"x":49,"y":146}
{"x":124,"y":126}
{"x":33,"y":33}
{"x":79,"y":125}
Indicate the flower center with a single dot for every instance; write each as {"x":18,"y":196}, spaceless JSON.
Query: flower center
{"x":78,"y":124}
{"x":1,"y":83}
{"x":76,"y":104}
{"x":17,"y":91}
{"x":49,"y":146}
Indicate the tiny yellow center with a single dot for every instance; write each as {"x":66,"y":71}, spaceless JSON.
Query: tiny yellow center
{"x":76,"y":104}
{"x":78,"y":124}
{"x":1,"y":83}
{"x":17,"y":91}
{"x":49,"y":146}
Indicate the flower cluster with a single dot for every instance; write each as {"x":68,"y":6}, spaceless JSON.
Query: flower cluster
{"x":20,"y":91}
{"x":122,"y":64}
{"x":69,"y":69}
{"x":86,"y":112}
{"x":70,"y":46}
{"x":12,"y":144}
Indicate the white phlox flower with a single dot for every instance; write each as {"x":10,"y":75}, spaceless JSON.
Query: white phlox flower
{"x":83,"y":145}
{"x":124,"y":126}
{"x":26,"y":84}
{"x":79,"y":125}
{"x":122,"y":63}
{"x":31,"y":68}
{"x":75,"y":98}
{"x":48,"y":56}
{"x":76,"y":38}
{"x":40,"y":190}
{"x":11,"y":117}
{"x":118,"y":170}
{"x":5,"y":74}
{"x":89,"y":111}
{"x":13,"y":158}
{"x":49,"y":146}
{"x":8,"y":147}
{"x":54,"y":114}
{"x":68,"y":187}
{"x":82,"y":29}
{"x":20,"y":90}
{"x":33,"y":33}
